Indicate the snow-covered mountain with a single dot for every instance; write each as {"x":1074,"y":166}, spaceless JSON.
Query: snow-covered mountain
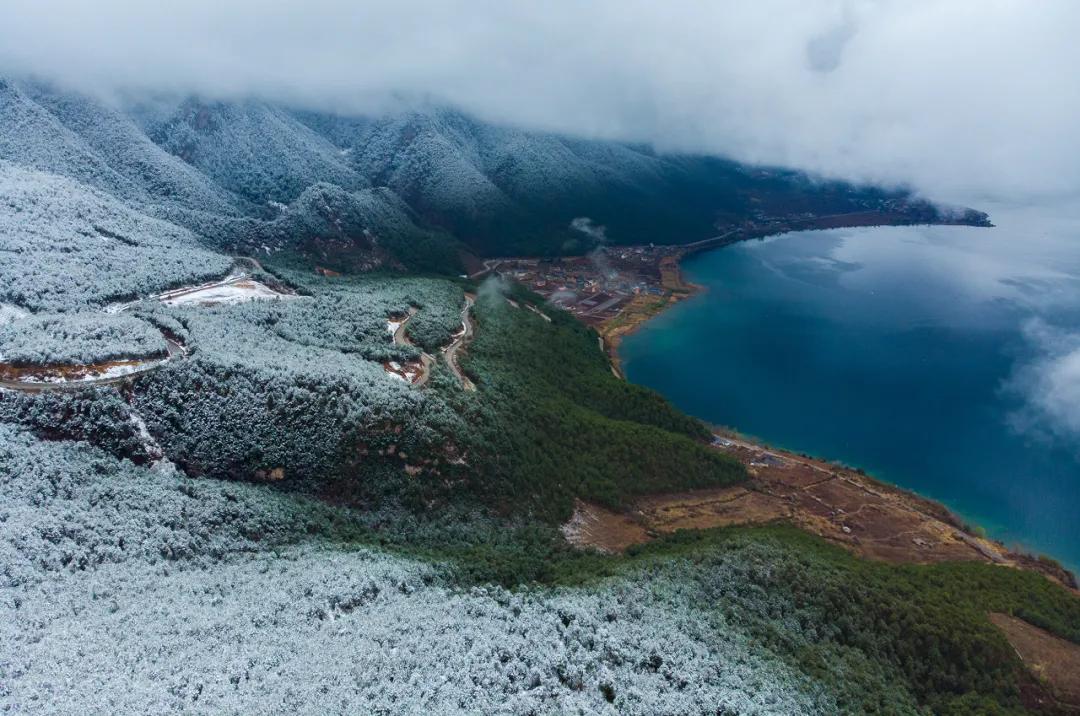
{"x":33,"y":137}
{"x":506,"y":190}
{"x":404,"y":190}
{"x":180,"y":178}
{"x":258,"y":151}
{"x":118,"y":147}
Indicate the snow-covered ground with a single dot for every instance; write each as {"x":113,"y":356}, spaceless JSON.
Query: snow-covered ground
{"x":85,"y":375}
{"x":407,"y":372}
{"x":9,"y":313}
{"x":73,"y":377}
{"x":76,"y":375}
{"x":230,"y":291}
{"x":150,"y":445}
{"x":234,"y":288}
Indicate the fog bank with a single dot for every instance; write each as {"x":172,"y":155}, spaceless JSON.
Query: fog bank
{"x":966,"y":98}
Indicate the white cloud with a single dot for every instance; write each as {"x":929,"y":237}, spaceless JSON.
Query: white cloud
{"x":590,"y":228}
{"x":959,"y":97}
{"x":1049,"y":384}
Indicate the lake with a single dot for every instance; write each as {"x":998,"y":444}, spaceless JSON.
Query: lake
{"x":943,"y":359}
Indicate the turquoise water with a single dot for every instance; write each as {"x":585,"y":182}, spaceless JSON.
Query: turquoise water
{"x":943,"y":359}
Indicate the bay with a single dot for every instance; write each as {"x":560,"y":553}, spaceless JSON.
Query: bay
{"x":945,"y":360}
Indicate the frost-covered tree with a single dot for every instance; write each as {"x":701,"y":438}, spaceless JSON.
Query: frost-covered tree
{"x":78,"y":339}
{"x":64,"y":246}
{"x":257,"y":150}
{"x":187,"y":598}
{"x":298,"y":384}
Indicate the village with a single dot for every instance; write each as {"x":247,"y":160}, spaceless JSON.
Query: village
{"x":615,"y":289}
{"x":596,"y":287}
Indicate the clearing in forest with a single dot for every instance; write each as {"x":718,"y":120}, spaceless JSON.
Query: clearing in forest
{"x":1052,"y":660}
{"x":871,"y":518}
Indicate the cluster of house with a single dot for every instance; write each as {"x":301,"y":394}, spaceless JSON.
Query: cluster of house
{"x":594,"y":287}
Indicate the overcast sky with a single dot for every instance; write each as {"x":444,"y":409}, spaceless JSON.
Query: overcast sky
{"x":961,"y":98}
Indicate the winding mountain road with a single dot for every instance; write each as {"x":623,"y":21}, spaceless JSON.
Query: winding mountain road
{"x":401,"y":339}
{"x":451,"y":351}
{"x":139,"y":368}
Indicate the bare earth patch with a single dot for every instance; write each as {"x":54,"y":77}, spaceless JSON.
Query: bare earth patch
{"x":412,"y":372}
{"x":1053,"y":661}
{"x":232,"y":289}
{"x":237,"y":287}
{"x":718,"y":507}
{"x":602,"y":529}
{"x":64,"y":377}
{"x":868,"y":517}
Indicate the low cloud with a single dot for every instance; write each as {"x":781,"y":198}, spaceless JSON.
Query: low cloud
{"x":493,"y":287}
{"x":961,"y":98}
{"x":596,"y":232}
{"x":1048,"y":384}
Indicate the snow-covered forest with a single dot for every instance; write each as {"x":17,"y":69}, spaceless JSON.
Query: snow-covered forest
{"x":284,"y":384}
{"x":189,"y":598}
{"x":210,"y":596}
{"x":64,"y":246}
{"x":78,"y":338}
{"x":241,"y":176}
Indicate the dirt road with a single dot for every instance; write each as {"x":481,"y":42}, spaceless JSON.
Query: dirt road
{"x":111,"y":373}
{"x":489,"y":266}
{"x":450,"y":353}
{"x":401,"y":339}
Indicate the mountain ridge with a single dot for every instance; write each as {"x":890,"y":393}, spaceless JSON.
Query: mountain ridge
{"x":409,"y":190}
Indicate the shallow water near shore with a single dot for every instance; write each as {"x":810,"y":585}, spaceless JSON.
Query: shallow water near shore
{"x":943,"y":359}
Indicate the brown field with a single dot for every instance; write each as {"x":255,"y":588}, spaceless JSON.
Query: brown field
{"x":1053,"y":661}
{"x":870,"y":518}
{"x":61,"y":372}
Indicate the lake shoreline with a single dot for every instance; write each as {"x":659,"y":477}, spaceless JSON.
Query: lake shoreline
{"x":681,"y":289}
{"x":634,"y":316}
{"x":826,"y":499}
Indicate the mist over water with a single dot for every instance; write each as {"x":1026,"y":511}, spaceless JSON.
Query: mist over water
{"x":943,"y":359}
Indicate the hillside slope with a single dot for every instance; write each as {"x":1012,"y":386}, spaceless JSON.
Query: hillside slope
{"x":505,"y":190}
{"x":241,"y":175}
{"x":153,"y":175}
{"x":254,"y":149}
{"x":242,"y":178}
{"x":64,"y":245}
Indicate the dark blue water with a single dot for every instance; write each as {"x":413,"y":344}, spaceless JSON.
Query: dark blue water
{"x":943,"y":359}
